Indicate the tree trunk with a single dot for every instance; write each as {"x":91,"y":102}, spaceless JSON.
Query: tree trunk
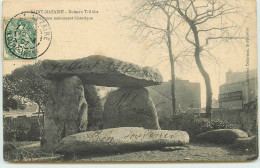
{"x":172,"y":68}
{"x":39,"y":122}
{"x":198,"y":62}
{"x":203,"y":72}
{"x":173,"y":85}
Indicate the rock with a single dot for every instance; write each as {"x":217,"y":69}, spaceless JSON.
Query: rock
{"x":172,"y":148}
{"x":102,"y":71}
{"x":121,"y":139}
{"x":246,"y":143}
{"x":66,"y":111}
{"x":93,"y":100}
{"x":222,"y":135}
{"x":95,"y":109}
{"x":130,"y":107}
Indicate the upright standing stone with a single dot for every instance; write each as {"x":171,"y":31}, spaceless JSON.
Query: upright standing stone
{"x":130,"y":107}
{"x":95,"y":109}
{"x":93,"y":100}
{"x":66,"y":111}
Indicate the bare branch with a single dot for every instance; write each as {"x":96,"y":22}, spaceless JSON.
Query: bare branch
{"x":212,"y":16}
{"x":143,"y":24}
{"x":186,"y":37}
{"x":216,"y":28}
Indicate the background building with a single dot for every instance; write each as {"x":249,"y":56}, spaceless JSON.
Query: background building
{"x":240,"y":89}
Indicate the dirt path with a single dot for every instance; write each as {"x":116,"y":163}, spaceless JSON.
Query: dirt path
{"x":194,"y":152}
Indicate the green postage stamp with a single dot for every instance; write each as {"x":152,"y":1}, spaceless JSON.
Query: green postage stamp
{"x":27,"y":35}
{"x":20,"y":38}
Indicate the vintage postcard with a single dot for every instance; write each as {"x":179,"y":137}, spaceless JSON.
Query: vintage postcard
{"x":129,"y":81}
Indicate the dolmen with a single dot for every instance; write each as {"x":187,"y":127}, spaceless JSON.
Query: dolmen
{"x":67,"y":110}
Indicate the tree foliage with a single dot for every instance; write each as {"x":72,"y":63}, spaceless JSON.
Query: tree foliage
{"x":26,"y":82}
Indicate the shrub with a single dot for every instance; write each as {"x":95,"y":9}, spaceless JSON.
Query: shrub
{"x":192,"y":123}
{"x":219,"y":124}
{"x":34,"y":132}
{"x":22,"y":130}
{"x":9,"y":133}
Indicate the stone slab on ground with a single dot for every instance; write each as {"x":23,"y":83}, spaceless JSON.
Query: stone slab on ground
{"x":102,"y":71}
{"x":246,"y":143}
{"x":121,"y":139}
{"x":222,"y":135}
{"x":130,"y":107}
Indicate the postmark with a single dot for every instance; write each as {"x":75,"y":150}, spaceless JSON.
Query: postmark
{"x":27,"y":36}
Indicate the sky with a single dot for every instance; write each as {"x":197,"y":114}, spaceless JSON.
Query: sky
{"x":107,"y":35}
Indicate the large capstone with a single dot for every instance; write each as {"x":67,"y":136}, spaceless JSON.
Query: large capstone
{"x":130,"y":107}
{"x":102,"y":71}
{"x":121,"y":140}
{"x":66,"y":111}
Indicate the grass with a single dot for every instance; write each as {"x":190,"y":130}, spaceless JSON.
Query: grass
{"x":29,"y":151}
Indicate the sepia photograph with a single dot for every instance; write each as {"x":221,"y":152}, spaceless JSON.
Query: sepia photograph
{"x":129,"y":81}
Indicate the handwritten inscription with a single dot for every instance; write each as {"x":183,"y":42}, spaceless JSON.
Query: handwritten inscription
{"x":149,"y":134}
{"x":124,"y":101}
{"x":98,"y":137}
{"x":108,"y":67}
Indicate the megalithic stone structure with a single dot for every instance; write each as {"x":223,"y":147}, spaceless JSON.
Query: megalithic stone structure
{"x":66,"y":111}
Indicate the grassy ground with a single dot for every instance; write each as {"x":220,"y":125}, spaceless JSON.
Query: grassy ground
{"x":30,"y":152}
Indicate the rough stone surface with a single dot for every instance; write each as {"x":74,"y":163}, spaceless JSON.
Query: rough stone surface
{"x":95,"y":109}
{"x":93,"y":100}
{"x":66,"y":111}
{"x":130,"y":107}
{"x":246,"y":143}
{"x":222,"y":135}
{"x":121,"y":139}
{"x":102,"y":71}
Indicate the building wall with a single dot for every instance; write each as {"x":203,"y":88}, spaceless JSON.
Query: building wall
{"x":241,"y":119}
{"x":248,"y":89}
{"x":233,"y":77}
{"x":238,"y":101}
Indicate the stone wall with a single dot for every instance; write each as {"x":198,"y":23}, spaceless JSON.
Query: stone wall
{"x":242,"y":119}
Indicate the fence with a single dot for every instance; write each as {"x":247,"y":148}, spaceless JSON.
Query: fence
{"x":22,"y":128}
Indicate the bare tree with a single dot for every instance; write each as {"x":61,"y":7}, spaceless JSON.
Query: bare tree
{"x":153,"y":19}
{"x":202,"y":17}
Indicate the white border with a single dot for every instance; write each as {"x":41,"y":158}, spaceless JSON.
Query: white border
{"x":3,"y":164}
